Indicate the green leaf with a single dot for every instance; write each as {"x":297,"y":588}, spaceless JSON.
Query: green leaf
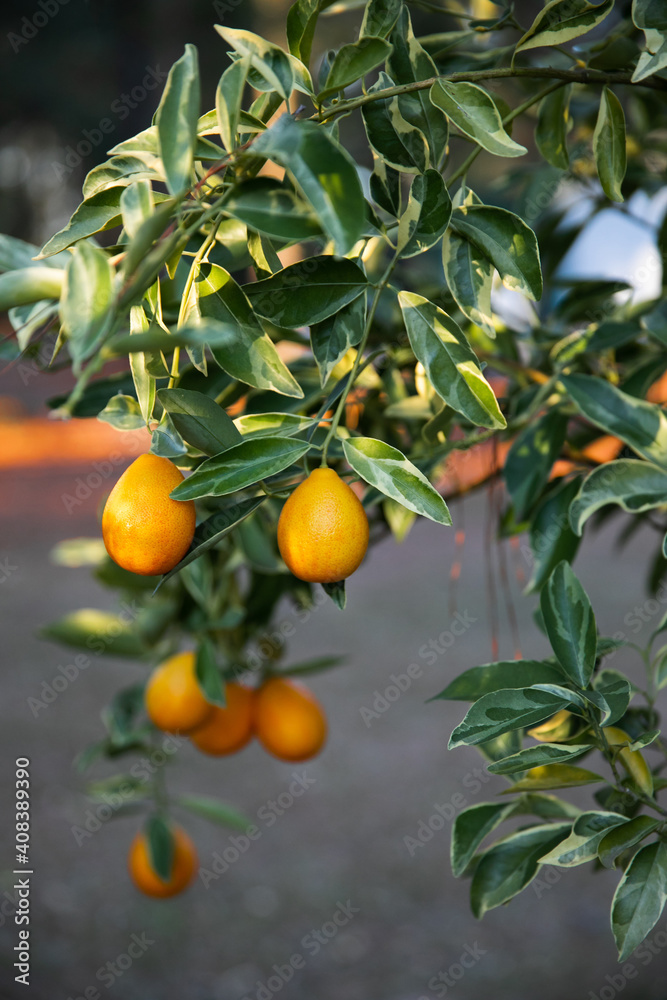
{"x":208,"y":673}
{"x":450,"y":363}
{"x":333,"y":337}
{"x":503,"y":711}
{"x":531,"y":457}
{"x":353,"y":62}
{"x":16,"y":254}
{"x":551,"y":537}
{"x":160,"y":846}
{"x":266,"y":205}
{"x":507,"y":241}
{"x":314,"y":666}
{"x":469,"y":829}
{"x":643,"y":426}
{"x":478,"y":681}
{"x":615,"y":689}
{"x":241,"y":466}
{"x":121,"y":171}
{"x":307,"y":292}
{"x":410,"y":63}
{"x":426,"y":216}
{"x":212,"y":809}
{"x":144,"y":382}
{"x":301,"y":23}
{"x":136,"y":204}
{"x":259,"y":425}
{"x":562,"y":20}
{"x":272,"y":64}
{"x":199,"y":420}
{"x":94,"y":215}
{"x":390,"y":472}
{"x":609,"y":145}
{"x":123,"y":413}
{"x":99,"y":632}
{"x":30,"y":284}
{"x":325,"y":173}
{"x":336,"y":591}
{"x":545,"y":753}
{"x":570,"y":624}
{"x":552,"y":126}
{"x":214,"y":529}
{"x":228,"y":97}
{"x":640,"y":898}
{"x":474,"y":113}
{"x":625,"y":835}
{"x":582,"y":844}
{"x":87,"y":299}
{"x":380,"y":16}
{"x":395,"y":140}
{"x":241,"y":347}
{"x":511,"y":864}
{"x":554,"y":776}
{"x":469,"y":276}
{"x":176,"y":121}
{"x":633,"y":485}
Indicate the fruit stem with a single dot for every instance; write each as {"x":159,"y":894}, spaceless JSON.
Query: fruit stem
{"x":379,"y":288}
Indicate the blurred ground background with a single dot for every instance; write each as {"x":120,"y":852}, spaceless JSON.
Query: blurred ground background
{"x":344,"y":839}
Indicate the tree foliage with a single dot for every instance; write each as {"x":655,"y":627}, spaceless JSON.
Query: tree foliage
{"x":391,"y":367}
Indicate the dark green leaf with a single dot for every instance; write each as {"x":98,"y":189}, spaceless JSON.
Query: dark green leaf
{"x":552,"y":126}
{"x":99,"y":632}
{"x":87,"y":298}
{"x":94,"y":215}
{"x":199,"y":419}
{"x":503,"y":711}
{"x":380,"y":16}
{"x":551,"y":537}
{"x":397,"y":142}
{"x":325,"y":173}
{"x":332,"y":338}
{"x":352,"y":62}
{"x":123,"y":413}
{"x":582,"y":844}
{"x":609,"y":144}
{"x":507,"y":241}
{"x":640,"y":898}
{"x":336,"y":591}
{"x":228,"y":99}
{"x":160,"y":847}
{"x":511,"y":864}
{"x":450,"y":363}
{"x":469,"y":829}
{"x":212,"y":809}
{"x":426,"y":216}
{"x":241,"y":466}
{"x":269,"y":207}
{"x":530,"y":459}
{"x":477,"y":681}
{"x":307,"y":292}
{"x":570,"y":623}
{"x":176,"y":121}
{"x":633,"y":485}
{"x":269,"y":61}
{"x":208,"y":673}
{"x":469,"y":274}
{"x":624,"y":836}
{"x":241,"y":346}
{"x":643,"y":426}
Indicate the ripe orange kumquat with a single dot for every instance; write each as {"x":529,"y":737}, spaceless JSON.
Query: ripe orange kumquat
{"x":174,"y":700}
{"x":289,"y":721}
{"x":227,"y":729}
{"x":145,"y":877}
{"x":144,"y":530}
{"x":323,"y":529}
